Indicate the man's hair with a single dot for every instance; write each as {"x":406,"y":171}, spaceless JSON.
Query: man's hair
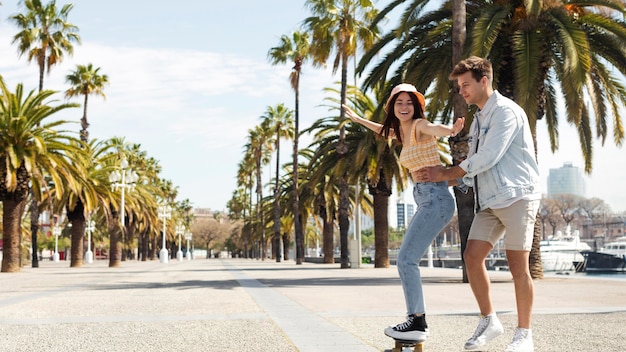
{"x":478,"y":66}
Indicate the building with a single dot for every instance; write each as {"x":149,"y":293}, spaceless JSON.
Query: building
{"x":404,"y":213}
{"x":567,"y":179}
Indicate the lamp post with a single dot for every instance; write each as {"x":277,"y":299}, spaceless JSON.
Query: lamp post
{"x":180,"y":230}
{"x":123,"y":180}
{"x":188,"y":236}
{"x":91,"y":226}
{"x":165,"y":212}
{"x":56,"y":231}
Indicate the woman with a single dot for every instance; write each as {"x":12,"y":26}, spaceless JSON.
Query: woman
{"x":406,"y":122}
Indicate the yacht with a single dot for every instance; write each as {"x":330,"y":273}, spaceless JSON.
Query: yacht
{"x":563,"y":253}
{"x":611,"y":257}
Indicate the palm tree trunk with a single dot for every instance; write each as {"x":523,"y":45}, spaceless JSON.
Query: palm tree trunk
{"x":328,"y":239}
{"x":328,"y":233}
{"x":84,"y":134}
{"x":34,"y":208}
{"x":77,"y":219}
{"x":459,"y":144}
{"x":344,"y":196}
{"x":34,"y":229}
{"x":381,"y":230}
{"x":536,"y":267}
{"x":299,"y":235}
{"x":277,"y":251}
{"x":153,"y":246}
{"x":76,"y":252}
{"x":286,"y":240}
{"x":11,"y":220}
{"x":381,"y":192}
{"x":115,"y":245}
{"x":259,"y":200}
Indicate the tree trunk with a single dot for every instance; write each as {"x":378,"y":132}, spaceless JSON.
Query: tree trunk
{"x":535,"y":264}
{"x":11,"y":221}
{"x":459,"y":144}
{"x":34,"y":229}
{"x":115,"y":245}
{"x":14,"y":205}
{"x":259,"y":207}
{"x":76,"y":252}
{"x":286,"y":245}
{"x":381,"y":192}
{"x":381,"y":230}
{"x":328,"y":241}
{"x":77,"y":219}
{"x":153,"y":246}
{"x":299,"y":235}
{"x":344,"y":191}
{"x":84,"y":134}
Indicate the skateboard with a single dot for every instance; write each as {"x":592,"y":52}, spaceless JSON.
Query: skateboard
{"x":405,"y":346}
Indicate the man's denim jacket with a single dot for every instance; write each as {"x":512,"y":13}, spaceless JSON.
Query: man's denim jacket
{"x":504,"y":160}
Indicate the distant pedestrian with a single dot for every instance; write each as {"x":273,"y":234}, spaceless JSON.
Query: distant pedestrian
{"x":502,"y":168}
{"x":406,"y":122}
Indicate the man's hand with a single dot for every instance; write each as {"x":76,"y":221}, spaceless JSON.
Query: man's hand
{"x":430,"y":174}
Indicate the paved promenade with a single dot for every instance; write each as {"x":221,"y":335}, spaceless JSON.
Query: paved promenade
{"x":250,"y":305}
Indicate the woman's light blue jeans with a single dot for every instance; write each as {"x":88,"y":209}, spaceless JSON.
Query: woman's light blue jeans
{"x":435,"y":208}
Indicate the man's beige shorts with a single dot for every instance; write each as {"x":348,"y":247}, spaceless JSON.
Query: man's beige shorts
{"x":517,"y":221}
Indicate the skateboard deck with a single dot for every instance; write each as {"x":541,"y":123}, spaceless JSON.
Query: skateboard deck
{"x":405,"y":345}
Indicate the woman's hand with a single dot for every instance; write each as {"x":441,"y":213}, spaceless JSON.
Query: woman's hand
{"x":351,"y":114}
{"x":458,"y":126}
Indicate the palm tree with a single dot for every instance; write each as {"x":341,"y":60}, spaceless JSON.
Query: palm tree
{"x":85,"y":80}
{"x":140,"y":205}
{"x":45,"y":36}
{"x":29,"y":153}
{"x":279,"y":119}
{"x":259,"y":148}
{"x":305,"y":199}
{"x":295,"y":49}
{"x":379,"y":160}
{"x":327,"y":167}
{"x":245,"y":172}
{"x":318,"y":195}
{"x":150,"y":181}
{"x":339,"y":26}
{"x":90,"y":191}
{"x":537,"y":50}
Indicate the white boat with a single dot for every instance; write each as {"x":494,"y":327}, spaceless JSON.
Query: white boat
{"x":611,"y":257}
{"x":563,"y":253}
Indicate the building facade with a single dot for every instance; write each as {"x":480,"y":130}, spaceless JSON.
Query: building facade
{"x":567,"y":179}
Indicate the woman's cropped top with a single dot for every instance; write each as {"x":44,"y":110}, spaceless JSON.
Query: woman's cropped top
{"x":416,"y":155}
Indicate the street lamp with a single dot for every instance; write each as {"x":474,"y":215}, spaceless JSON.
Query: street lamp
{"x":91,"y":226}
{"x":188,"y":236}
{"x":125,"y":179}
{"x":56,"y":231}
{"x":165,"y":212}
{"x":180,"y":230}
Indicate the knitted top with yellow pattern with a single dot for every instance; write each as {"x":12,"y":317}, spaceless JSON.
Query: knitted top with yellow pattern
{"x":416,"y":155}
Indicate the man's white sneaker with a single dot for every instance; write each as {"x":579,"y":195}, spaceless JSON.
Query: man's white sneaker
{"x":522,"y":341}
{"x":489,"y":327}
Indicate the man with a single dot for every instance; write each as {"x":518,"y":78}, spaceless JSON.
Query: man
{"x":502,"y":168}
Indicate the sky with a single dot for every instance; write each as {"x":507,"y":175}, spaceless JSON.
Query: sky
{"x":189,"y":78}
